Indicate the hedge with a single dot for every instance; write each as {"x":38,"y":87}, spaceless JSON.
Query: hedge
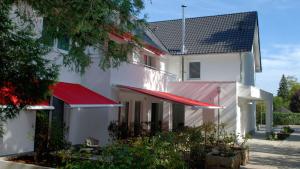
{"x":280,"y":118}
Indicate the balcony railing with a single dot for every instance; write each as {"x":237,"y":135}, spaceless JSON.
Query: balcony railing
{"x":172,"y":76}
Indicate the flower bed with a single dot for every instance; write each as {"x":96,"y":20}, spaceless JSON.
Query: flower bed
{"x":199,"y":147}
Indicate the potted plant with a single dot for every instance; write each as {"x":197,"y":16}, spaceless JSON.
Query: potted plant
{"x":222,"y":159}
{"x":222,"y":155}
{"x":243,"y":150}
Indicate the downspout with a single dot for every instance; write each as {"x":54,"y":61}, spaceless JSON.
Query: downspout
{"x":183,"y":42}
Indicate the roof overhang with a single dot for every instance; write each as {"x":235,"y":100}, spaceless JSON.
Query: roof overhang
{"x":256,"y":49}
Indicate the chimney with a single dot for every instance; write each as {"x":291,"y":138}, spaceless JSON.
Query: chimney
{"x":183,"y":51}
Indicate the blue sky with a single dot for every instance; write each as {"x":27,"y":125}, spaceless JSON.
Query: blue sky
{"x":279,"y":24}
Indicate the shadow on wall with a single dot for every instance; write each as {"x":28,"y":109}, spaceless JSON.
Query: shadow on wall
{"x":207,"y":92}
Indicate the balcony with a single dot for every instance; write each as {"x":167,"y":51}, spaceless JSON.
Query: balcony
{"x":142,"y":76}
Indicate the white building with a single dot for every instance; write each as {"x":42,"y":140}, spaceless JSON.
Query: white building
{"x":159,"y":84}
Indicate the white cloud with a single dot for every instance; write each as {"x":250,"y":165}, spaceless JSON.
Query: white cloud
{"x":279,"y":59}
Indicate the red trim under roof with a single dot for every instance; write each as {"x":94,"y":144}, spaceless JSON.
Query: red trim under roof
{"x":77,"y":95}
{"x":128,"y":37}
{"x":172,"y":97}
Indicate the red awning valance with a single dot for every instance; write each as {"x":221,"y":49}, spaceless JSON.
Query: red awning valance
{"x":79,"y":96}
{"x":172,"y":97}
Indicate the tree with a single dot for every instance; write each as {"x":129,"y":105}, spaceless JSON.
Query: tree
{"x":294,"y":89}
{"x":89,"y":23}
{"x":278,"y":103}
{"x":283,"y":90}
{"x":293,"y":85}
{"x":295,"y":102}
{"x":291,"y":81}
{"x":25,"y":75}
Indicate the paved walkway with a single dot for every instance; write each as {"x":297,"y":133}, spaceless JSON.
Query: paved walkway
{"x":13,"y":165}
{"x":265,"y":154}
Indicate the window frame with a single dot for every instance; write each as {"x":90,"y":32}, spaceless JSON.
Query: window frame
{"x":189,"y":70}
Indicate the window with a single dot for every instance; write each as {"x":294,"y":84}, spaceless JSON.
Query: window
{"x":46,"y":38}
{"x":194,"y":70}
{"x":149,"y":61}
{"x":63,"y":43}
{"x":49,"y":39}
{"x":124,"y":113}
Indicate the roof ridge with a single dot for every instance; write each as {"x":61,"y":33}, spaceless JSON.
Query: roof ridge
{"x":205,"y":16}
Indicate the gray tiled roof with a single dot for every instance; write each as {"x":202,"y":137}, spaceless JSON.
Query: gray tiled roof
{"x":212,"y":34}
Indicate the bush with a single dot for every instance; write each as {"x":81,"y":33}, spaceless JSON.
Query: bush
{"x":280,"y":118}
{"x":148,"y":152}
{"x":186,"y":148}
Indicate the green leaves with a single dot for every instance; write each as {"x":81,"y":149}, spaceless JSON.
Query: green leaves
{"x":25,"y":75}
{"x":88,"y":23}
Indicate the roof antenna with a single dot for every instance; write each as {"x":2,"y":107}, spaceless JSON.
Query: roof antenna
{"x":183,"y":29}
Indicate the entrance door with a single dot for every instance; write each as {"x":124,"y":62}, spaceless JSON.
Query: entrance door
{"x":156,"y":117}
{"x":41,"y":131}
{"x":178,"y":116}
{"x":137,"y":117}
{"x":57,"y":124}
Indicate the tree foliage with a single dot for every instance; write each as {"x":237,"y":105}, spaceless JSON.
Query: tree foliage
{"x":88,"y":23}
{"x":295,"y":102}
{"x":25,"y":75}
{"x":291,"y":81}
{"x":279,"y":103}
{"x":283,"y":90}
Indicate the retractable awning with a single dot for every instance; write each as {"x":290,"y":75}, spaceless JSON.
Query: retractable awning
{"x":77,"y":95}
{"x":8,"y":92}
{"x":172,"y":97}
{"x":41,"y":106}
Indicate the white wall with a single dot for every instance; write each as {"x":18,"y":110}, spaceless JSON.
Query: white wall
{"x":246,"y":109}
{"x":19,"y":134}
{"x":207,"y":92}
{"x":174,"y":65}
{"x":87,"y":122}
{"x":214,"y":67}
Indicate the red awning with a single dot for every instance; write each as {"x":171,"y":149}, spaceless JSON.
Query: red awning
{"x":172,"y":98}
{"x":78,"y":96}
{"x":9,"y":93}
{"x":41,"y":106}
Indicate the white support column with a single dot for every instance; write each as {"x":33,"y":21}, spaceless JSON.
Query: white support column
{"x":167,"y":116}
{"x":269,"y":116}
{"x":268,"y":99}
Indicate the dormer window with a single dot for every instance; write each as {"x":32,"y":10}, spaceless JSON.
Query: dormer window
{"x":194,"y":70}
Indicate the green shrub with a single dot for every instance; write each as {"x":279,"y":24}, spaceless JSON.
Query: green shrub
{"x":280,"y":118}
{"x":145,"y":153}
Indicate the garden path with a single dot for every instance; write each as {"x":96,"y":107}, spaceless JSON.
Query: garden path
{"x":15,"y":165}
{"x":266,"y":154}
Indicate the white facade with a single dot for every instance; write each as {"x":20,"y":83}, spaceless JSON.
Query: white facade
{"x":233,"y":73}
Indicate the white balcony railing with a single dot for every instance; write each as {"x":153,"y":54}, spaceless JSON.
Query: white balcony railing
{"x":141,"y":75}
